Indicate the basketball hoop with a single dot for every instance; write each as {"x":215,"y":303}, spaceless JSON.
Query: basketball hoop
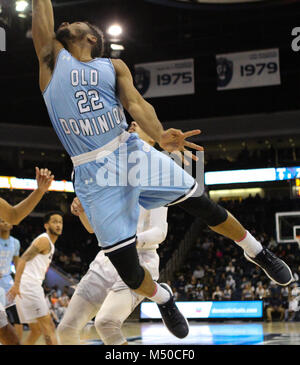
{"x":296,"y":231}
{"x":297,"y":238}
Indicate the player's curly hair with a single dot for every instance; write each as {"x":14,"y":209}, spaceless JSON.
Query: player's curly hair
{"x":98,"y":49}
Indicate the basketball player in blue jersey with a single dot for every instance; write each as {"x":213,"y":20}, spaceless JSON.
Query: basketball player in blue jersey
{"x":85,"y":95}
{"x":9,"y":253}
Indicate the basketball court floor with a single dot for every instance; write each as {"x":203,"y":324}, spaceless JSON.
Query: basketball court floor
{"x":207,"y":333}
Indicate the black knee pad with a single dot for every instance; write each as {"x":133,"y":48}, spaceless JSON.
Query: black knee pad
{"x":211,"y":213}
{"x":126,"y":262}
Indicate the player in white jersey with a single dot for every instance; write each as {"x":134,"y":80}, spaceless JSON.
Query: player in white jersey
{"x":101,"y":293}
{"x":14,"y":215}
{"x":32,"y":306}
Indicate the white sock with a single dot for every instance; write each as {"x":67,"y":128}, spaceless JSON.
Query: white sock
{"x":161,"y":295}
{"x":250,"y":245}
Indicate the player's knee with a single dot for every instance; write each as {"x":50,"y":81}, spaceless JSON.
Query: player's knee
{"x":134,"y":278}
{"x":66,"y":334}
{"x":127,"y":264}
{"x":210,"y":212}
{"x":109,"y":330}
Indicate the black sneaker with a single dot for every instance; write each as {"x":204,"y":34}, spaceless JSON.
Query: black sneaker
{"x":171,"y":316}
{"x":276,"y":269}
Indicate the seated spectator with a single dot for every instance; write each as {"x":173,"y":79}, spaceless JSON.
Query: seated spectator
{"x":230,"y":268}
{"x":294,"y":296}
{"x":260,"y":292}
{"x":217,"y":294}
{"x":63,"y":260}
{"x":180,"y":287}
{"x":63,"y":302}
{"x":230,"y":282}
{"x":206,"y":293}
{"x":198,"y":272}
{"x":275,"y":303}
{"x":227,"y":293}
{"x":248,"y":292}
{"x":243,"y":283}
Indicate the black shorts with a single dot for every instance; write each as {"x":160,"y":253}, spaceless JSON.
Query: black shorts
{"x":12,"y":315}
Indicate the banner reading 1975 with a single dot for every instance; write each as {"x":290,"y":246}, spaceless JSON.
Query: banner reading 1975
{"x":248,"y":69}
{"x":167,"y":78}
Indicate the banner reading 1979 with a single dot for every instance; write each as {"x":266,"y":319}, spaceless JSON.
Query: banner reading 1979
{"x":167,"y":78}
{"x":248,"y":69}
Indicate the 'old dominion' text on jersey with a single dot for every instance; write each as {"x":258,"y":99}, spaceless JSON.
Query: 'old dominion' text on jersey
{"x":82,"y":103}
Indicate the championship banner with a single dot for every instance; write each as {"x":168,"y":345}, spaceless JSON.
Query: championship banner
{"x":167,"y":78}
{"x":248,"y":69}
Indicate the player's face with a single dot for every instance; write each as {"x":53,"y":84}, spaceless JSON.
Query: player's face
{"x":55,"y":225}
{"x":4,"y":226}
{"x":72,"y":32}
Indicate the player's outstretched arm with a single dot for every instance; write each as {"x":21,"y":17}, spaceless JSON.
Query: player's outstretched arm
{"x":135,"y":104}
{"x":15,"y":214}
{"x":77,"y":209}
{"x":45,"y":43}
{"x":42,"y":25}
{"x":39,"y":246}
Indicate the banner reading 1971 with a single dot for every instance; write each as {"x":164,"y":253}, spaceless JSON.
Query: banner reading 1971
{"x":167,"y":78}
{"x":248,"y":69}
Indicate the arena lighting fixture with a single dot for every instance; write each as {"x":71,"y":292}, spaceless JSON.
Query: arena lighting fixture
{"x":21,"y":5}
{"x":115,"y":30}
{"x":117,"y":47}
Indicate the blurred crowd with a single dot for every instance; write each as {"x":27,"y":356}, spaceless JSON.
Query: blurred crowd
{"x":215,"y":268}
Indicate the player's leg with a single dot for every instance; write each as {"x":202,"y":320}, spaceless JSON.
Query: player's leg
{"x":77,"y":315}
{"x":114,"y":311}
{"x":33,"y":335}
{"x":113,"y":213}
{"x":19,"y":330}
{"x":223,"y":222}
{"x":47,"y":328}
{"x":8,"y":334}
{"x":13,"y":317}
{"x":193,"y":201}
{"x":114,"y":216}
{"x":90,"y":293}
{"x":121,"y":302}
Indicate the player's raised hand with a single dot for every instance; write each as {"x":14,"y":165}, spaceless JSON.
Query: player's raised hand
{"x":175,"y":140}
{"x":44,"y":179}
{"x":76,"y":207}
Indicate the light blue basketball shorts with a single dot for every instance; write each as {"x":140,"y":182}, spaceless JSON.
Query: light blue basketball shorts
{"x":112,"y":185}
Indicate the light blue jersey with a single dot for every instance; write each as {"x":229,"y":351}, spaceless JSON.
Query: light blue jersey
{"x":88,"y":117}
{"x":82,"y":103}
{"x":8,"y":249}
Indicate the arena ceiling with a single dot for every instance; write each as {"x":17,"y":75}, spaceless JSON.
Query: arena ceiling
{"x":154,"y":31}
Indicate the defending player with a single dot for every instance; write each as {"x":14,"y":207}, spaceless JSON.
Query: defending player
{"x":85,"y":95}
{"x":101,"y":293}
{"x":14,"y":215}
{"x":32,"y":306}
